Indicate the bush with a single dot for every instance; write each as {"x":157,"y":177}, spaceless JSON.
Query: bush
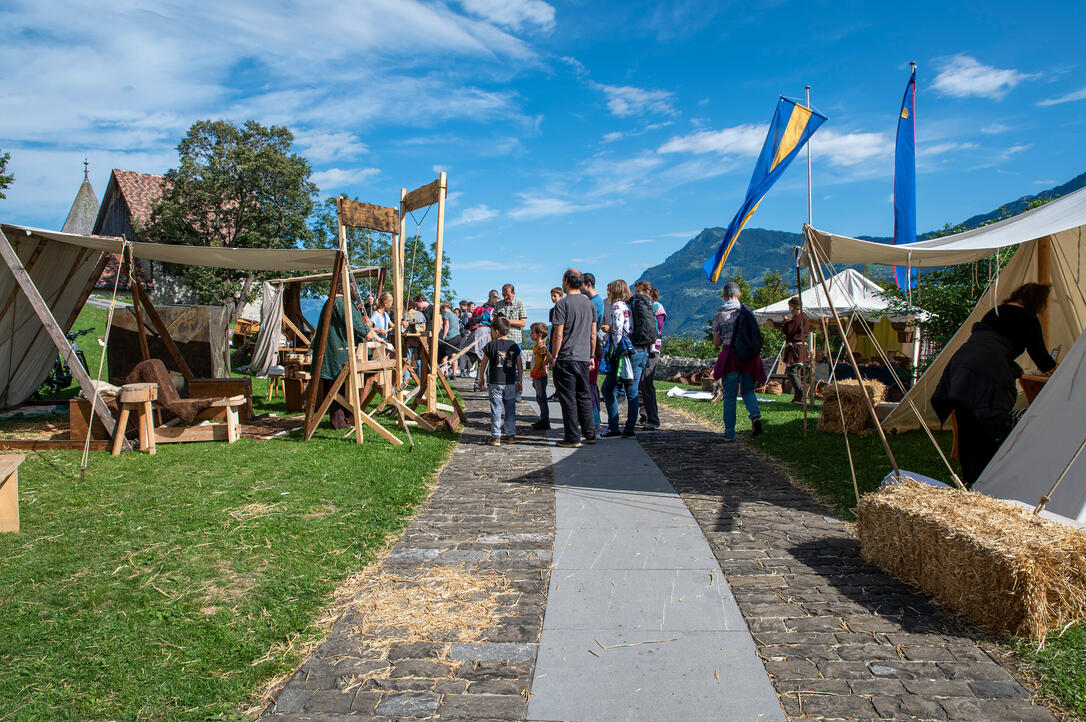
{"x":688,"y":346}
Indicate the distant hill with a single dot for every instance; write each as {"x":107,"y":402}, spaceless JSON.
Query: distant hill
{"x":691,"y":300}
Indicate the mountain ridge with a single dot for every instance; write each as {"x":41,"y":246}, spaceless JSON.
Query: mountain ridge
{"x":691,"y":299}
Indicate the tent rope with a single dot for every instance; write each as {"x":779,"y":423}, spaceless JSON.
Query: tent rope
{"x":840,"y":407}
{"x":912,"y":405}
{"x":1048,"y":497}
{"x":102,"y":363}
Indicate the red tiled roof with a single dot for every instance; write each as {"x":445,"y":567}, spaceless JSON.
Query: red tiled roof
{"x":140,"y":191}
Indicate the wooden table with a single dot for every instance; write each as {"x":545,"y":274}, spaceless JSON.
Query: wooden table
{"x":1032,"y":385}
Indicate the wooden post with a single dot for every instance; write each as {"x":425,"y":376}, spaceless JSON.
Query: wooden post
{"x":1044,"y":276}
{"x":163,"y":331}
{"x":435,"y":316}
{"x":7,"y":253}
{"x":141,"y":330}
{"x":320,"y":342}
{"x":348,"y":318}
{"x":397,"y":293}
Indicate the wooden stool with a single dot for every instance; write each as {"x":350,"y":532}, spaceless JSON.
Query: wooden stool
{"x":9,"y":492}
{"x":275,"y":382}
{"x":137,"y":398}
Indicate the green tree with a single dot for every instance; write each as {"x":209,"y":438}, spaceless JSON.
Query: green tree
{"x":234,"y":187}
{"x":773,"y":289}
{"x":5,"y":177}
{"x":744,"y":286}
{"x":369,"y":248}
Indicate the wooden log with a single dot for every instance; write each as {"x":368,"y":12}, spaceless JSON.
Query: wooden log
{"x":136,"y":308}
{"x":318,"y":359}
{"x":53,"y":444}
{"x":9,"y":492}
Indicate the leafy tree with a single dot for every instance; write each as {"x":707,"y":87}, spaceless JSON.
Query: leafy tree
{"x":369,"y":248}
{"x":5,"y":177}
{"x":234,"y":187}
{"x":773,"y":289}
{"x":744,"y":286}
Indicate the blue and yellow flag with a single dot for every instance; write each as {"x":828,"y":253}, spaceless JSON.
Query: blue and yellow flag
{"x":905,"y":180}
{"x":792,"y":125}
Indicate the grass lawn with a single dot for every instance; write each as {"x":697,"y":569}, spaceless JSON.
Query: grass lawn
{"x":821,"y":464}
{"x":173,"y":587}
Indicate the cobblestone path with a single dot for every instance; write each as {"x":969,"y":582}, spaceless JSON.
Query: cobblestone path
{"x":491,"y":514}
{"x":839,"y":638}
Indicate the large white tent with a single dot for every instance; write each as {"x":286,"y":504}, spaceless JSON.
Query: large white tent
{"x":1052,"y":249}
{"x":851,"y":293}
{"x":1044,"y":444}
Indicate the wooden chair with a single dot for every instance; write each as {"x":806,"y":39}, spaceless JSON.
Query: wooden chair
{"x":9,"y":492}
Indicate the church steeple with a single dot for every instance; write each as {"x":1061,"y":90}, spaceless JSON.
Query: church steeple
{"x":84,"y":210}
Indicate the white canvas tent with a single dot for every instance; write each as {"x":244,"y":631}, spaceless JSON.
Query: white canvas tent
{"x":1052,"y":249}
{"x":851,"y":292}
{"x":62,"y":268}
{"x":1043,"y":444}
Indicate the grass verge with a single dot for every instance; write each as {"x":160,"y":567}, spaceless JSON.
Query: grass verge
{"x":820,"y":463}
{"x":175,"y":586}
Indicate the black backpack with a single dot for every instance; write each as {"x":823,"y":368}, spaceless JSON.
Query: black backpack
{"x":644,"y":333}
{"x":747,"y":337}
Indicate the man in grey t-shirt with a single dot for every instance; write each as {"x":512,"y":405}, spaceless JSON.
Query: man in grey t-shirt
{"x":572,"y":350}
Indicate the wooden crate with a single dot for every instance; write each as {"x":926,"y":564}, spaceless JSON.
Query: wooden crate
{"x":295,"y":394}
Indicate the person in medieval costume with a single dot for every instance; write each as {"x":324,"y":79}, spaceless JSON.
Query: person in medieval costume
{"x":336,"y":354}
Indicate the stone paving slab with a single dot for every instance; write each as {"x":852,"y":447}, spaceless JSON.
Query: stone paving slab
{"x":839,"y":638}
{"x":625,"y":548}
{"x":490,"y":511}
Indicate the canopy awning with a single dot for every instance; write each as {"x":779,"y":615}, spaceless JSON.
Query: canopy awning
{"x":240,"y":259}
{"x":1059,"y":215}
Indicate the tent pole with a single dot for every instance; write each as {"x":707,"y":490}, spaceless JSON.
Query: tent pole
{"x":141,"y":330}
{"x":163,"y":331}
{"x":816,"y":268}
{"x":435,"y":314}
{"x":1044,"y":276}
{"x":799,"y":294}
{"x":45,"y":315}
{"x":397,"y":294}
{"x":348,"y":317}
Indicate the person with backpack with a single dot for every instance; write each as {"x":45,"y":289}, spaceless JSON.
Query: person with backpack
{"x":739,"y":365}
{"x":650,"y":413}
{"x":629,"y":337}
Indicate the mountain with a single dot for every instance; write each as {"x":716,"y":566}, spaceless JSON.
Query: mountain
{"x":691,"y":300}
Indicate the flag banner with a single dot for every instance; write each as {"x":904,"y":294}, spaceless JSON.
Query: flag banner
{"x":791,"y":127}
{"x":905,"y":180}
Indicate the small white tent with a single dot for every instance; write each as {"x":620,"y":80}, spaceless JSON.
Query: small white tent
{"x":851,"y":292}
{"x":1052,"y":249}
{"x":1044,"y":443}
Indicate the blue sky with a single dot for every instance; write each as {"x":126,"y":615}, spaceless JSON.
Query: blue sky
{"x":597,"y":134}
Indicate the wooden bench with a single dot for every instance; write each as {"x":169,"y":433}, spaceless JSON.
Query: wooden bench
{"x":9,"y":492}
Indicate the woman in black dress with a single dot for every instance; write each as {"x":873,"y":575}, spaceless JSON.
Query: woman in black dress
{"x":978,"y":384}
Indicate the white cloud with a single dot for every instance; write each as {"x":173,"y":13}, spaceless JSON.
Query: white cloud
{"x":625,"y":100}
{"x":850,"y":149}
{"x":963,"y":76}
{"x":1068,"y":98}
{"x":613,"y":136}
{"x":927,"y":151}
{"x":334,"y":179}
{"x":487,"y":264}
{"x":1015,"y":150}
{"x":639,"y":241}
{"x":1044,"y":182}
{"x":513,"y":13}
{"x":476,"y":214}
{"x":740,"y":140}
{"x":995,"y":128}
{"x":535,"y":208}
{"x":321,"y":146}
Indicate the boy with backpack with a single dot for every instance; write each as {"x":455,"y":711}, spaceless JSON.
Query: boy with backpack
{"x":739,"y":365}
{"x":500,"y":369}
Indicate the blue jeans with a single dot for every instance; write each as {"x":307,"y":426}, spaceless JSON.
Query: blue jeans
{"x":637,"y":361}
{"x":540,"y":386}
{"x":742,"y":382}
{"x":503,"y":398}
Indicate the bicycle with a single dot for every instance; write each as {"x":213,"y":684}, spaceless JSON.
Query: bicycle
{"x":60,"y":377}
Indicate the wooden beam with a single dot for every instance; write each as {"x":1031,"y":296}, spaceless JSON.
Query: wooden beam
{"x":397,"y":295}
{"x":348,"y":321}
{"x":7,"y":253}
{"x":163,"y":331}
{"x":34,"y":255}
{"x":318,"y":359}
{"x":43,"y":444}
{"x":435,"y":316}
{"x":427,"y":195}
{"x":297,"y":331}
{"x":366,"y":215}
{"x":141,"y":330}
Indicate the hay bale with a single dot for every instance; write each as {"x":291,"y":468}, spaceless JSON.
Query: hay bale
{"x":848,"y":398}
{"x":992,"y":562}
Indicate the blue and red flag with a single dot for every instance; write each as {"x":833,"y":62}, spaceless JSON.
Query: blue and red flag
{"x":905,"y":180}
{"x":792,"y":125}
